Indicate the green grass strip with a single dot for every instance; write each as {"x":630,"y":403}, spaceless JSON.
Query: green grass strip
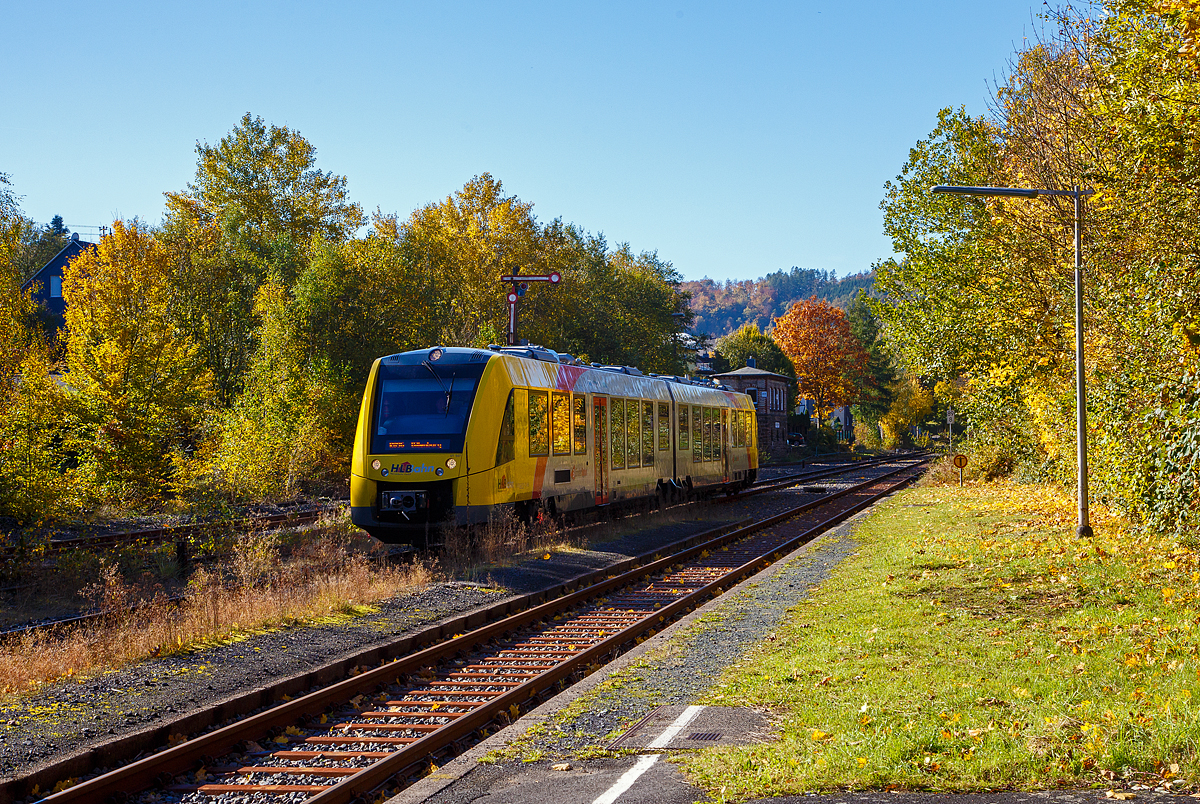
{"x":974,"y":643}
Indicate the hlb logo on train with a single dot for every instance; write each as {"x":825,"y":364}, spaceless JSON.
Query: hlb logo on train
{"x":407,"y":468}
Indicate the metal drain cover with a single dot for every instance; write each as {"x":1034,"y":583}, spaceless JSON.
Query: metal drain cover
{"x":714,"y":725}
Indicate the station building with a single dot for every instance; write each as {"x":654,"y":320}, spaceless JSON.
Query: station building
{"x":770,"y":394}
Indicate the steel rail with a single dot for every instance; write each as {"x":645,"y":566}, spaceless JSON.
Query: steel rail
{"x":760,"y":487}
{"x":146,"y":772}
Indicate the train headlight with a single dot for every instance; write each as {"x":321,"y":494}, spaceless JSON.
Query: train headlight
{"x":375,"y":464}
{"x":436,"y":354}
{"x":451,"y":463}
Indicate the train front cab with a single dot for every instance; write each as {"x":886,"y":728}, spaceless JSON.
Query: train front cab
{"x":410,"y":450}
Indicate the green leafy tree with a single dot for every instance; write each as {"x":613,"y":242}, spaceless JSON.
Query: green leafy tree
{"x":611,"y":306}
{"x":286,"y":430}
{"x":261,"y":184}
{"x":879,"y":374}
{"x":253,"y":210}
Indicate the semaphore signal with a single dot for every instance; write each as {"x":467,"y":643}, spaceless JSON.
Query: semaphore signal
{"x":520,"y":284}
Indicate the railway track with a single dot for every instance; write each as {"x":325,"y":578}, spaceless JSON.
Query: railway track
{"x":351,"y":739}
{"x":249,"y":523}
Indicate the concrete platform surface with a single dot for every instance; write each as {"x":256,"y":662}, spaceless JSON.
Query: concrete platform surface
{"x":711,"y":725}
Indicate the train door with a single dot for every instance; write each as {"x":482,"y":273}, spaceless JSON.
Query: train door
{"x":600,"y":447}
{"x":725,"y":441}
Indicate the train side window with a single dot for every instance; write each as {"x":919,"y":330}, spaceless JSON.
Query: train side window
{"x":633,"y":433}
{"x":697,"y":435}
{"x":647,"y":434}
{"x":684,"y":429}
{"x":539,"y":423}
{"x":579,"y":401}
{"x":664,"y":425}
{"x":707,"y":434}
{"x":616,"y":426}
{"x":721,"y":428}
{"x":506,"y":448}
{"x":560,"y":422}
{"x":741,"y":428}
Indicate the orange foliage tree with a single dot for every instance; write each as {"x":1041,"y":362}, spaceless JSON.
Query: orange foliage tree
{"x":829,"y":360}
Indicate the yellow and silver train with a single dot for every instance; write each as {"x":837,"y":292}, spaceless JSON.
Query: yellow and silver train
{"x":448,"y":435}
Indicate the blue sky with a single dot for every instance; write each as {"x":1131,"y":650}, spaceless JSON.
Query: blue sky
{"x":735,"y":139}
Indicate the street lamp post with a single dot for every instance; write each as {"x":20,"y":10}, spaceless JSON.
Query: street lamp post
{"x":1077,"y":195}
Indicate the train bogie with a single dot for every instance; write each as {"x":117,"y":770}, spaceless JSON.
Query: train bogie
{"x":456,"y":436}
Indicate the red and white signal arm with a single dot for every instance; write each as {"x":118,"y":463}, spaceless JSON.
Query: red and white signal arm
{"x":553,"y":278}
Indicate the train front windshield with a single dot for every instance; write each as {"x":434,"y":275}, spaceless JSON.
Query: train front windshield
{"x":423,"y":408}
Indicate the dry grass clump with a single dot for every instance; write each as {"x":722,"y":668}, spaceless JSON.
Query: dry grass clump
{"x":258,"y":587}
{"x":465,"y":552}
{"x":468,"y":553}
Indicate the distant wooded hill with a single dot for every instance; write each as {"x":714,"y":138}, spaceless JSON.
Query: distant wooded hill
{"x":722,"y":307}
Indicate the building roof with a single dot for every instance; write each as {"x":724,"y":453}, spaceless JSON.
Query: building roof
{"x":754,"y":373}
{"x":68,"y":252}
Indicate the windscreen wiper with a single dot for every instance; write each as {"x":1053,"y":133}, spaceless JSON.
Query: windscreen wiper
{"x":448,"y":391}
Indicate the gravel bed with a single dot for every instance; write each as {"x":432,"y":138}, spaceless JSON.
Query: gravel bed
{"x":70,"y":717}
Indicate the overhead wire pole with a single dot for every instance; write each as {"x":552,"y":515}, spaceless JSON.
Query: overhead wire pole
{"x":1084,"y":528}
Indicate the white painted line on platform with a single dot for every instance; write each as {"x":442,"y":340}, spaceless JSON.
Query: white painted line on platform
{"x":673,"y":730}
{"x":646,"y":761}
{"x":627,"y":779}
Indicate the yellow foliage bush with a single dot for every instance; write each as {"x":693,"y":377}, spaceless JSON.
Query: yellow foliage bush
{"x":286,"y":427}
{"x":138,"y":384}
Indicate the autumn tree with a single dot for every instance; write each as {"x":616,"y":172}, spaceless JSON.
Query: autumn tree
{"x":138,"y":380}
{"x":613,"y":305}
{"x":31,"y":403}
{"x":252,"y":211}
{"x":287,"y":428}
{"x":827,"y":357}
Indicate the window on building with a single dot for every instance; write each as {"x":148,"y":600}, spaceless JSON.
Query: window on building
{"x":579,"y":401}
{"x":56,"y":287}
{"x":539,"y":423}
{"x":560,"y":424}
